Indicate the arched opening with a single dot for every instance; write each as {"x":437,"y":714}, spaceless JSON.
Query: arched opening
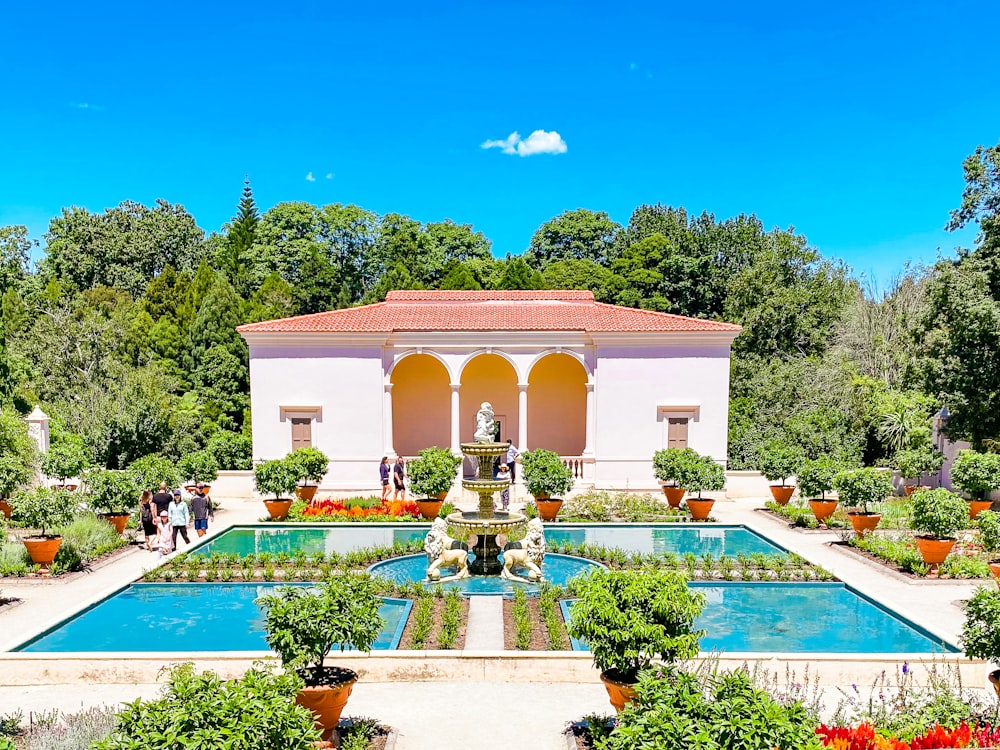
{"x":421,"y":405}
{"x":488,"y":377}
{"x":557,"y":405}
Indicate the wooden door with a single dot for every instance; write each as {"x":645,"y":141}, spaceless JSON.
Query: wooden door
{"x":301,"y":432}
{"x":677,"y":432}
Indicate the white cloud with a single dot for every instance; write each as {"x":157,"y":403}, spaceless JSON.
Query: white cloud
{"x":310,"y":178}
{"x":329,"y":175}
{"x":87,"y":105}
{"x":539,"y":142}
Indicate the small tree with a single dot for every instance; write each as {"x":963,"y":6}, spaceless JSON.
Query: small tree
{"x":988,"y":524}
{"x":14,"y":474}
{"x":198,"y":466}
{"x":68,"y":458}
{"x":149,"y":471}
{"x":309,"y":463}
{"x":778,"y":461}
{"x":277,"y":477}
{"x":433,"y":471}
{"x":816,"y":476}
{"x":981,"y":632}
{"x":232,"y":450}
{"x":913,"y":463}
{"x":938,"y":513}
{"x":545,"y":474}
{"x":859,"y":488}
{"x":976,"y":473}
{"x":702,"y":473}
{"x":113,"y":492}
{"x":43,"y":509}
{"x":669,"y":463}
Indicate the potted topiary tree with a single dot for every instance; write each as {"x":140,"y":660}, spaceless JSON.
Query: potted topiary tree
{"x":65,"y":459}
{"x":545,"y":475}
{"x":914,"y":463}
{"x":777,"y":462}
{"x":302,"y":626}
{"x":981,"y":631}
{"x":859,"y":489}
{"x":937,"y":515}
{"x":198,"y":466}
{"x":815,"y":480}
{"x":988,"y":524}
{"x":113,"y":495}
{"x":277,"y":477}
{"x":668,"y":465}
{"x":311,"y":463}
{"x":976,"y":474}
{"x":431,"y":475}
{"x":149,"y":471}
{"x":43,"y":509}
{"x":628,"y":618}
{"x":14,"y":474}
{"x":698,"y":474}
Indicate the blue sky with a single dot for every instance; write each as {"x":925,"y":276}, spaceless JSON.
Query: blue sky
{"x":848,"y":121}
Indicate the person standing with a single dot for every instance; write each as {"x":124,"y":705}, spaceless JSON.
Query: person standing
{"x":383,"y":473}
{"x":147,"y":516}
{"x":164,"y":535}
{"x":503,"y":475}
{"x":201,"y":509}
{"x":179,"y":519}
{"x":512,"y":454}
{"x":162,"y":499}
{"x":399,"y":479}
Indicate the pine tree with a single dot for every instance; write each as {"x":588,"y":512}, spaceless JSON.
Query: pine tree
{"x":240,"y":241}
{"x":459,"y":277}
{"x":215,"y":324}
{"x":519,"y":275}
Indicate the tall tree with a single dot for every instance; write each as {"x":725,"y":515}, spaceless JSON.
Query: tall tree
{"x":215,"y":324}
{"x":15,"y":251}
{"x":580,"y":274}
{"x":240,"y":239}
{"x":459,"y":276}
{"x":574,"y":235}
{"x":519,"y":275}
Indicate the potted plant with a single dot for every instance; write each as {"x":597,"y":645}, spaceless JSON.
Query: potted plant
{"x":545,"y":475}
{"x":68,"y":458}
{"x":113,"y":495}
{"x":859,"y":489}
{"x":913,"y":463}
{"x":779,"y":461}
{"x":43,"y":509}
{"x":277,"y":477}
{"x":14,"y":474}
{"x":976,"y":474}
{"x":18,"y":457}
{"x":431,"y":475}
{"x":198,"y":466}
{"x":302,"y":625}
{"x":988,"y":524}
{"x":815,"y":480}
{"x":668,"y":465}
{"x":702,"y":473}
{"x":628,"y":618}
{"x":937,"y":515}
{"x":981,"y":631}
{"x":311,"y":463}
{"x":149,"y":471}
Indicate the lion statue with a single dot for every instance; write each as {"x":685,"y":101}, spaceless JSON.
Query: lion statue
{"x":445,"y":552}
{"x":527,"y":553}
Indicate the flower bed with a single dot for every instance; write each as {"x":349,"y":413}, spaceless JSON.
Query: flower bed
{"x":865,"y":737}
{"x":900,"y":552}
{"x":354,"y":509}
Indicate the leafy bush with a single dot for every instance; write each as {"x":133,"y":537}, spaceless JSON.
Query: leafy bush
{"x":629,"y":617}
{"x":976,"y":473}
{"x":310,"y":463}
{"x":587,"y":506}
{"x":779,"y":460}
{"x":198,"y":466}
{"x":816,"y":476}
{"x":14,"y":558}
{"x":255,"y":712}
{"x":110,"y":491}
{"x":149,"y":471}
{"x":433,"y":471}
{"x":545,"y":474}
{"x":938,"y":513}
{"x":277,"y":477}
{"x":859,"y":488}
{"x":232,"y":451}
{"x":67,"y":458}
{"x":722,"y":711}
{"x":14,"y":474}
{"x":91,"y":536}
{"x":981,"y":631}
{"x":913,"y":463}
{"x":702,"y":473}
{"x":43,"y":509}
{"x":669,"y":464}
{"x":988,"y":524}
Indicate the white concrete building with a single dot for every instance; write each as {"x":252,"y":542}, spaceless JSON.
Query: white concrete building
{"x":603,"y":386}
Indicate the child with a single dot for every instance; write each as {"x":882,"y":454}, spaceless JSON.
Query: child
{"x":503,"y":475}
{"x":164,"y":535}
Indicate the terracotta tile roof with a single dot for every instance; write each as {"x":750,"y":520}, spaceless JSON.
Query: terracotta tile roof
{"x":546,"y":310}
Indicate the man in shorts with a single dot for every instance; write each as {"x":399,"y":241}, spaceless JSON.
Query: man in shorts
{"x":399,"y":479}
{"x":383,"y":473}
{"x":201,"y":509}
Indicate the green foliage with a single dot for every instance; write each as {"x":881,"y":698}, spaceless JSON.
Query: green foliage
{"x":112,"y":491}
{"x":433,"y":472}
{"x":722,"y":711}
{"x":67,"y":458}
{"x":517,"y":274}
{"x":702,"y":473}
{"x":255,"y":712}
{"x":309,"y":463}
{"x":302,"y":626}
{"x":199,"y":466}
{"x":938,"y":513}
{"x":149,"y":471}
{"x":816,"y":476}
{"x":670,"y":464}
{"x":628,"y":618}
{"x":232,"y":451}
{"x":574,"y":235}
{"x":69,"y":731}
{"x":913,"y":463}
{"x":976,"y":473}
{"x":90,"y":536}
{"x":988,"y":523}
{"x":860,"y":488}
{"x":778,"y":461}
{"x":277,"y":477}
{"x":43,"y":509}
{"x":18,"y":451}
{"x":14,"y":473}
{"x":545,"y":474}
{"x":981,"y":631}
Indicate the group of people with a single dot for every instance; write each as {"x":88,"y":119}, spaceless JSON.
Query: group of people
{"x":165,"y":515}
{"x":398,"y":473}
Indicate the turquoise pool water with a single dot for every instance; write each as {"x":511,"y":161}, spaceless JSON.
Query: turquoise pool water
{"x":557,"y":569}
{"x":802,"y":618}
{"x":173,"y":617}
{"x":273,"y":538}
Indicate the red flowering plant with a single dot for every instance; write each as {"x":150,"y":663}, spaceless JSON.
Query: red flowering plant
{"x":354,"y":509}
{"x":865,"y":737}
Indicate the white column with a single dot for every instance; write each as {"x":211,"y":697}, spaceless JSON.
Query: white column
{"x":387,"y":420}
{"x":456,"y":439}
{"x":588,"y":446}
{"x":522,"y":418}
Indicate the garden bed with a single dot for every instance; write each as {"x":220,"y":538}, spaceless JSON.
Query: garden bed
{"x":899,"y":553}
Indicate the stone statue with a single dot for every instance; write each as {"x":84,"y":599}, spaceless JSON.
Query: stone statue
{"x":445,"y":552}
{"x":485,"y":426}
{"x":527,"y":553}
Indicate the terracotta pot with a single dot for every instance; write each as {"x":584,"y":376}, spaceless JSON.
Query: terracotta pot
{"x":995,"y":570}
{"x":67,"y":487}
{"x":699,"y":509}
{"x":933,"y":550}
{"x":5,"y":508}
{"x":994,"y":678}
{"x":674,"y":496}
{"x":327,"y":703}
{"x":548,"y":508}
{"x":306,"y":492}
{"x":42,"y":549}
{"x":278,"y":508}
{"x":909,"y":489}
{"x":782,"y":493}
{"x":978,"y":506}
{"x":864,"y":522}
{"x":823,"y":509}
{"x":429,"y":508}
{"x":192,"y":488}
{"x":619,"y":692}
{"x":118,"y":520}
